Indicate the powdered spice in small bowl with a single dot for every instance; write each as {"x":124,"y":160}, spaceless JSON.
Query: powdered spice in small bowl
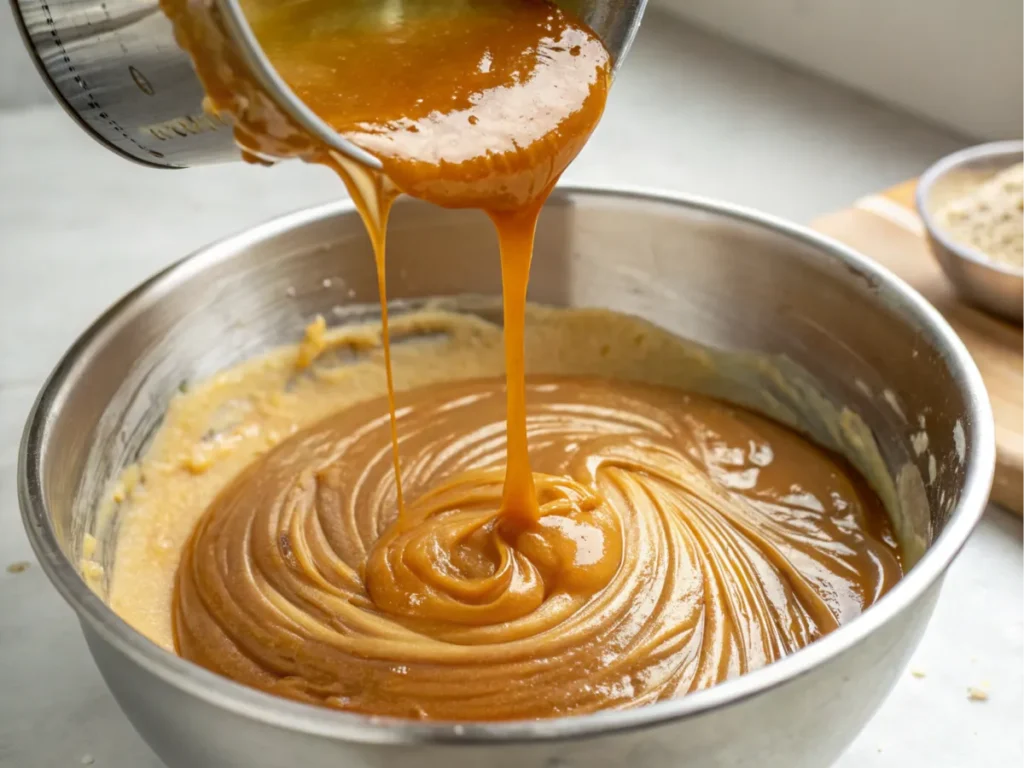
{"x":972,"y":204}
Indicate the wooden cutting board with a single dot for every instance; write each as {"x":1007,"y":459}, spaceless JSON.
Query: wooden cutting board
{"x":887,"y":228}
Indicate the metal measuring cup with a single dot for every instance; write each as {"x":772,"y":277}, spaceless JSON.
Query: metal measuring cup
{"x":115,"y":67}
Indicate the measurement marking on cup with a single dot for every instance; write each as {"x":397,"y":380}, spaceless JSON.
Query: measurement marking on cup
{"x":91,"y":102}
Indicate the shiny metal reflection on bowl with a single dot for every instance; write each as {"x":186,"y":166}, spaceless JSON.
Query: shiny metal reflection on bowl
{"x":726,"y":278}
{"x":995,"y":287}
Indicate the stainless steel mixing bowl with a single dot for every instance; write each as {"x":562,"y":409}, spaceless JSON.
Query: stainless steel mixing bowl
{"x":727,"y":278}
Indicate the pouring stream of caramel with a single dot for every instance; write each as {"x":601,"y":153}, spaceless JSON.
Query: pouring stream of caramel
{"x":478,"y":104}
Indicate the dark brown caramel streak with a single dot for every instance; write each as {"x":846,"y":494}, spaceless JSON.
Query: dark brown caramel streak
{"x":659,"y":543}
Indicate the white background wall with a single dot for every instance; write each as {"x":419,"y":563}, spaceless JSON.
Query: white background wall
{"x":957,"y":62}
{"x":19,"y":83}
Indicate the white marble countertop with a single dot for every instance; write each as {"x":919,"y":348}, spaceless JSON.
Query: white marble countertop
{"x":79,"y":227}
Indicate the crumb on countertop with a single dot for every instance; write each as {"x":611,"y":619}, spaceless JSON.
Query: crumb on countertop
{"x":977,"y":694}
{"x":19,"y":567}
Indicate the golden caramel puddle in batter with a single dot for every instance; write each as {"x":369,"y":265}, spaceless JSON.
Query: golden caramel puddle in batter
{"x":467,"y":552}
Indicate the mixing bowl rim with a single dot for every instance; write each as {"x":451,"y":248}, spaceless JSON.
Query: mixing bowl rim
{"x":351,"y":727}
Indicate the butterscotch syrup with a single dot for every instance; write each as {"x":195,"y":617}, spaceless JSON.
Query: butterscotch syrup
{"x":469,"y":104}
{"x":657,"y":543}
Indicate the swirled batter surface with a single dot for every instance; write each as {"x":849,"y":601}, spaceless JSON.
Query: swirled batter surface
{"x":681,"y":542}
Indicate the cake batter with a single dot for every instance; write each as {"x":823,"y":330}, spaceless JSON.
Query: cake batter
{"x":466,"y":552}
{"x":683,"y":541}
